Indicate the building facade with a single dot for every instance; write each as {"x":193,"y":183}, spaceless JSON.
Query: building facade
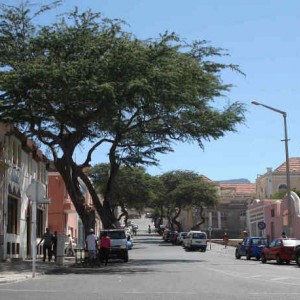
{"x":21,"y":163}
{"x":228,"y":216}
{"x":273,"y":214}
{"x":274,"y":181}
{"x":62,"y":215}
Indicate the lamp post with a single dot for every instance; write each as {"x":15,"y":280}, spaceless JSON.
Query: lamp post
{"x":288,"y":182}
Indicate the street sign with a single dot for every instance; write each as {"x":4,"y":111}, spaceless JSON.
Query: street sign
{"x":209,"y":228}
{"x":261,"y":225}
{"x":36,"y":191}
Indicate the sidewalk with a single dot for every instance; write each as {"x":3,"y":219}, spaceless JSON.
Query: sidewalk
{"x":15,"y":271}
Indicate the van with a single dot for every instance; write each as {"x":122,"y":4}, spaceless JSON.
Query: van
{"x":195,"y":240}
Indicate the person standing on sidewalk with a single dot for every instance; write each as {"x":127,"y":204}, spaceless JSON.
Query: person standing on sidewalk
{"x":105,"y":245}
{"x":91,"y":245}
{"x":70,"y":250}
{"x":225,"y":239}
{"x":47,"y":238}
{"x":54,"y":244}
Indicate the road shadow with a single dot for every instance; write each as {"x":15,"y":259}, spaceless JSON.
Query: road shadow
{"x":118,"y":267}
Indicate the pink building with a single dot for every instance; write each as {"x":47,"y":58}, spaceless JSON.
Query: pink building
{"x":62,"y":216}
{"x":273,"y":214}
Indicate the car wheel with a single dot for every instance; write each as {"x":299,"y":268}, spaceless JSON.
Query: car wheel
{"x":298,"y":260}
{"x":278,"y":259}
{"x":126,"y":257}
{"x":287,"y":262}
{"x":263,"y":259}
{"x":237,"y":254}
{"x":248,"y":257}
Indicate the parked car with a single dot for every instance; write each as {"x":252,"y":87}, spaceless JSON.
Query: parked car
{"x":181,"y":236}
{"x":160,"y":229}
{"x":170,"y":236}
{"x":251,"y":246}
{"x":297,"y":255}
{"x":281,"y":250}
{"x":195,"y":240}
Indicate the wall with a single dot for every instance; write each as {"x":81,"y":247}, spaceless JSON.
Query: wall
{"x":62,"y":216}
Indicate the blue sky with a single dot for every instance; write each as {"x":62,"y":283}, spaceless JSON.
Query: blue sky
{"x":262,"y":37}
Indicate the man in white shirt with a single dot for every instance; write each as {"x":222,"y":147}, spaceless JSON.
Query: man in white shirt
{"x":91,"y":244}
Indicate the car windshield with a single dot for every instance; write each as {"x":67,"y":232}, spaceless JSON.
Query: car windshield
{"x":291,"y":243}
{"x":199,"y":236}
{"x":116,"y":235}
{"x":259,"y":241}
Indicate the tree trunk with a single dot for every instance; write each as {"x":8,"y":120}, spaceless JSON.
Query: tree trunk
{"x":174,"y":220}
{"x":71,"y":173}
{"x":201,"y":214}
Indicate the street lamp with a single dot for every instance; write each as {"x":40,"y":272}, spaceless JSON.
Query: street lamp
{"x":288,"y":182}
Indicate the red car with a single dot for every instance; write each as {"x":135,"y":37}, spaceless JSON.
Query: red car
{"x":281,"y":250}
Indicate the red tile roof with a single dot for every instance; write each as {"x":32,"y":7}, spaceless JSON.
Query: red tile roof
{"x":240,"y":188}
{"x":294,"y":164}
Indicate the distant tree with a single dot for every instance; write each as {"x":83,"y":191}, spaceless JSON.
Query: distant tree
{"x":281,"y":194}
{"x":133,"y":187}
{"x":203,"y":194}
{"x":84,"y":79}
{"x":187,"y":189}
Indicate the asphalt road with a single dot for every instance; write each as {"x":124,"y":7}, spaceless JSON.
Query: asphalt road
{"x":158,"y":270}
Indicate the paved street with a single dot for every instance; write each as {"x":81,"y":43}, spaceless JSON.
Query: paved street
{"x":158,"y":270}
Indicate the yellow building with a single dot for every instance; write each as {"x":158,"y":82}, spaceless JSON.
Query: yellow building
{"x":273,"y":182}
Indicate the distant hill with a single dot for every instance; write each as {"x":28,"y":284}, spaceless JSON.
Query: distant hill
{"x":241,"y":180}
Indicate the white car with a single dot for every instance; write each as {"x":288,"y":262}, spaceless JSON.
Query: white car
{"x":181,"y":237}
{"x":195,"y":240}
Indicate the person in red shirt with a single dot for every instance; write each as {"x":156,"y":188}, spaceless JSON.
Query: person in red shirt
{"x":105,"y":246}
{"x":225,"y":239}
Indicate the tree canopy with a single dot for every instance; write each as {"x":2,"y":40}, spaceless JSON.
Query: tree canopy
{"x":86,"y":79}
{"x":133,"y":187}
{"x":187,"y":189}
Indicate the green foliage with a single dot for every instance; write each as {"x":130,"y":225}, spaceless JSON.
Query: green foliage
{"x":281,"y":194}
{"x":86,"y":79}
{"x":133,"y":187}
{"x":187,"y":188}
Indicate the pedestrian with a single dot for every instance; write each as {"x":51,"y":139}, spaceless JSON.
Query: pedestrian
{"x":105,"y":245}
{"x":54,"y":245}
{"x":134,"y":229}
{"x":91,"y":245}
{"x":70,"y":245}
{"x":283,"y":235}
{"x":47,"y":245}
{"x":149,"y":229}
{"x":225,"y":239}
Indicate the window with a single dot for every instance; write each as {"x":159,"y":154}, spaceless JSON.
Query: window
{"x":12,"y":215}
{"x":39,"y":223}
{"x":282,"y":187}
{"x":272,"y":212}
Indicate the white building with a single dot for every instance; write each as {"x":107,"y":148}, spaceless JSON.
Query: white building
{"x":21,"y":162}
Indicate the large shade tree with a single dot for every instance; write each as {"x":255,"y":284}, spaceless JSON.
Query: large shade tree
{"x":84,"y":80}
